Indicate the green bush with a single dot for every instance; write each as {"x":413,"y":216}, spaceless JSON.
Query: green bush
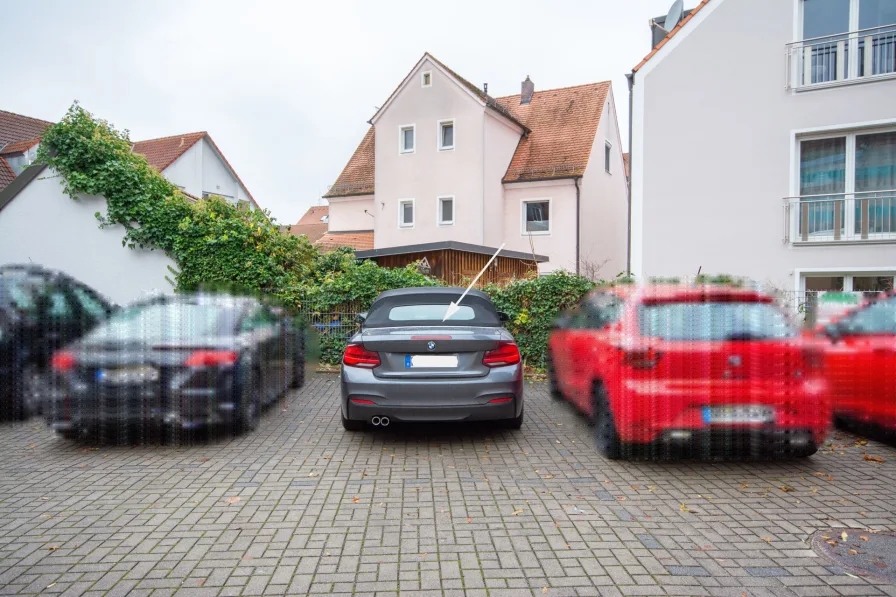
{"x":533,"y":304}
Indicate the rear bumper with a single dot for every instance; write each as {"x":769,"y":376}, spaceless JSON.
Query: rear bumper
{"x":420,"y":400}
{"x":657,"y":410}
{"x":768,"y":441}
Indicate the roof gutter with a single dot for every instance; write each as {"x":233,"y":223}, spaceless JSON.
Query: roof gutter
{"x":631,"y":160}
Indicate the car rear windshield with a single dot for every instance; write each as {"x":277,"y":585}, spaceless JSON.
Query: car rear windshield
{"x":21,"y":290}
{"x":877,"y":318}
{"x":429,"y":310}
{"x":164,"y":323}
{"x":713,"y":321}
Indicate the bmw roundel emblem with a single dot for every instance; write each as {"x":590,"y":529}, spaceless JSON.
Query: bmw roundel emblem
{"x":431,"y":345}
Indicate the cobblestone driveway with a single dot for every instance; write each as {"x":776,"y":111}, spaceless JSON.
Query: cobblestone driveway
{"x":301,"y":506}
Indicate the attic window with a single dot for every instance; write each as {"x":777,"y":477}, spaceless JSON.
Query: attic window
{"x":426,"y":79}
{"x":325,"y":219}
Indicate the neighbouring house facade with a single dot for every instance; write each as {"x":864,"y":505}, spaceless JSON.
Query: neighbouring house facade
{"x":312,"y":225}
{"x":448,"y":173}
{"x":763,"y":144}
{"x":41,"y":225}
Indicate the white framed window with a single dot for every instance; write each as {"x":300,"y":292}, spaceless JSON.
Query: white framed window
{"x":445,"y":215}
{"x":406,"y":213}
{"x":535,"y":216}
{"x":426,"y":78}
{"x":608,"y":153}
{"x":407,"y":138}
{"x":846,"y":186}
{"x":446,"y":134}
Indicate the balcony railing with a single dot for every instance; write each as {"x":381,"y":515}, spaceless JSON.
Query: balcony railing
{"x":847,"y":217}
{"x":844,"y":58}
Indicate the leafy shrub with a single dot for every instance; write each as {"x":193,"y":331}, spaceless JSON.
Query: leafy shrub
{"x":533,"y":304}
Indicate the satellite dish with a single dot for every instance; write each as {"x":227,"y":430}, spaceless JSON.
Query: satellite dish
{"x":674,"y":15}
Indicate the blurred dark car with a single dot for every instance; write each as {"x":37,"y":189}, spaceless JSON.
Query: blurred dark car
{"x":41,"y":310}
{"x":176,"y":363}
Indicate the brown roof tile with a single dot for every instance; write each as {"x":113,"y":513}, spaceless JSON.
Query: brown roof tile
{"x":18,"y":146}
{"x":563,"y":123}
{"x":359,"y":241}
{"x":310,"y":224}
{"x":15,"y":127}
{"x":669,"y":36}
{"x":357,"y":176}
{"x":7,"y":175}
{"x":161,"y":153}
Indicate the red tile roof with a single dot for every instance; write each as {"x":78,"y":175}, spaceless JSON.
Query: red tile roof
{"x":15,"y":127}
{"x":563,"y":124}
{"x":357,"y":176}
{"x":359,"y":241}
{"x":161,"y":153}
{"x":18,"y":146}
{"x":7,"y":174}
{"x":310,"y":225}
{"x":669,"y":36}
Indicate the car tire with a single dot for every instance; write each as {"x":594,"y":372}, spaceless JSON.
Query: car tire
{"x":516,"y":422}
{"x":298,"y":366}
{"x":605,"y":434}
{"x":352,"y":425}
{"x":249,"y":413}
{"x":27,"y":396}
{"x":553,"y":388}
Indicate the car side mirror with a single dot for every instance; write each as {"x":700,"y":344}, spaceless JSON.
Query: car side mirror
{"x":504,"y":317}
{"x":833,"y":331}
{"x":361,"y":318}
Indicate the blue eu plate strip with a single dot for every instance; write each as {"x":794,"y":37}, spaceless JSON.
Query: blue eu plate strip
{"x":707,"y":415}
{"x":407,"y":361}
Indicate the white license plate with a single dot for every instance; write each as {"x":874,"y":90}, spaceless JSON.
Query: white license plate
{"x":128,"y":375}
{"x":430,"y":361}
{"x":738,"y":414}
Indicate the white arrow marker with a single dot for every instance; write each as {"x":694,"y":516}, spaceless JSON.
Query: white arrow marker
{"x":453,"y":307}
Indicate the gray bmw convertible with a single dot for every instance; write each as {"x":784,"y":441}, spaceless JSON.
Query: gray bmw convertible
{"x":408,"y":363}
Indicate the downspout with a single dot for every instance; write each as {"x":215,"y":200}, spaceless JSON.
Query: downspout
{"x":482,"y":218}
{"x":578,"y":221}
{"x":628,"y":181}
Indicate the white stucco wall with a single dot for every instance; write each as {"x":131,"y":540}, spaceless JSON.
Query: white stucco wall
{"x":429,"y":173}
{"x":714,"y":150}
{"x":201,"y":170}
{"x":501,"y":140}
{"x":603,"y":226}
{"x":43,"y":226}
{"x":560,"y":245}
{"x":347,"y":213}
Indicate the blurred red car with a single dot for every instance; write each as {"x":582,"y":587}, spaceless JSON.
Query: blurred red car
{"x":860,"y":365}
{"x":707,"y":368}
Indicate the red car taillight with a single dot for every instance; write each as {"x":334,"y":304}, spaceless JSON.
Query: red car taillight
{"x":507,"y":353}
{"x":640,"y":358}
{"x":357,"y":356}
{"x":63,"y":361}
{"x":211,"y":358}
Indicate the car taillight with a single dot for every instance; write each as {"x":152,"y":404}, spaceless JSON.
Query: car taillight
{"x":357,"y":356}
{"x":211,"y":358}
{"x":507,"y":353}
{"x":640,"y":358}
{"x":63,"y":361}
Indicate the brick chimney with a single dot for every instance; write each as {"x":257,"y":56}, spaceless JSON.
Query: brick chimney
{"x":526,"y":91}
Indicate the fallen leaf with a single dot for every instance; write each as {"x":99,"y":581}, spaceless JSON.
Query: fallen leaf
{"x":844,"y":536}
{"x":53,"y":548}
{"x":863,"y":537}
{"x":767,"y":539}
{"x":233,"y":500}
{"x":684,"y":508}
{"x":357,"y":499}
{"x":874,"y":458}
{"x":469,"y":520}
{"x":312,"y":474}
{"x":247,"y":558}
{"x":852,"y":552}
{"x":548,"y":477}
{"x":787,"y":489}
{"x":52,"y":584}
{"x":515,"y":512}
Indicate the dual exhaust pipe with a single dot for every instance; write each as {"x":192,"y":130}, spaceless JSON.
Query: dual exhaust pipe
{"x":380,"y":421}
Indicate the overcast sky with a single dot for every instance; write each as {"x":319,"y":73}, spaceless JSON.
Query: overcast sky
{"x":286,"y":90}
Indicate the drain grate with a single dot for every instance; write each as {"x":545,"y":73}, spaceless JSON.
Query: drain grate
{"x":863,"y":553}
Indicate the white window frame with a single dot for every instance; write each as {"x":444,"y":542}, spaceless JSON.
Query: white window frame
{"x":608,"y":157}
{"x":439,"y":126}
{"x":401,"y":148}
{"x":850,"y":132}
{"x":523,"y":231}
{"x":401,"y":204}
{"x":439,"y":220}
{"x":423,"y":75}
